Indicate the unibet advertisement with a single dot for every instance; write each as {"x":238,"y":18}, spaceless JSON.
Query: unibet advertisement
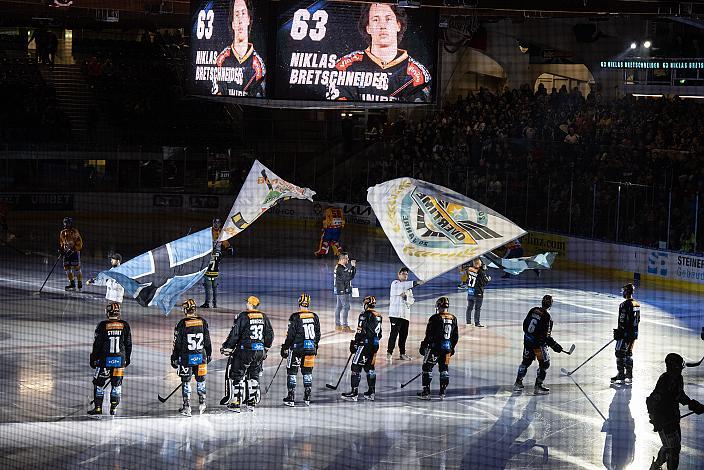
{"x":229,"y":48}
{"x":369,"y":52}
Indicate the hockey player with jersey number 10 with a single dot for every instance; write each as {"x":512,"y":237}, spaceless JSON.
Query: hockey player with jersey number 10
{"x":249,"y":340}
{"x":112,"y":348}
{"x":364,"y":347}
{"x":300,"y":347}
{"x":191,"y":355}
{"x":626,"y":335}
{"x":537,"y":337}
{"x":441,"y":336}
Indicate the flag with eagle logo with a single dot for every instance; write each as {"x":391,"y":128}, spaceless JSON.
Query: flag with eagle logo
{"x":434,"y":229}
{"x":261,"y":191}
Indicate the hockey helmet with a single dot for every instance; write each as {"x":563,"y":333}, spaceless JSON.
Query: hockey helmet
{"x":547,"y":301}
{"x":674,"y":361}
{"x":253,"y":301}
{"x":304,"y":300}
{"x":68,"y":222}
{"x":217,"y":223}
{"x":189,"y":307}
{"x":369,"y":302}
{"x":112,"y":310}
{"x":443,"y":303}
{"x":628,"y":290}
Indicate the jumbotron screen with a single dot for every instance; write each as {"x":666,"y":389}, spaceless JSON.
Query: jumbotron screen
{"x":229,"y":48}
{"x":355,"y":52}
{"x":325,"y":51}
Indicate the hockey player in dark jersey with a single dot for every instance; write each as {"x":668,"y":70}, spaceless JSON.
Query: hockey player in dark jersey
{"x":364,"y":347}
{"x":537,"y":337}
{"x":381,"y":72}
{"x":240,"y":70}
{"x":664,"y":411}
{"x":210,"y":279}
{"x":626,"y":335}
{"x":441,"y":336}
{"x":249,"y":340}
{"x":191,"y":354}
{"x":300,"y":347}
{"x":112,"y":348}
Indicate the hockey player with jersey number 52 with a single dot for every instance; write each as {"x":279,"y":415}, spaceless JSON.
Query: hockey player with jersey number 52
{"x":191,"y":355}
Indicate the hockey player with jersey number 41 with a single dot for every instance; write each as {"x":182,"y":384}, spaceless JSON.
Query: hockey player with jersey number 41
{"x":441,"y":336}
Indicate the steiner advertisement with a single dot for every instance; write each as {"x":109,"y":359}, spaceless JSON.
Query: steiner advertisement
{"x":229,"y":48}
{"x":369,"y":52}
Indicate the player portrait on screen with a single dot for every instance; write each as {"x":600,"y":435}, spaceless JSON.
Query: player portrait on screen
{"x":387,"y":72}
{"x":240,"y":70}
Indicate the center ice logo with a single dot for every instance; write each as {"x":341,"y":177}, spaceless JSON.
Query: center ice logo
{"x":433,"y":223}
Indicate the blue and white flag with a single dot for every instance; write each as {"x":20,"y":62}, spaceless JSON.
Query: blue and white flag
{"x":160,"y":276}
{"x":516,"y":266}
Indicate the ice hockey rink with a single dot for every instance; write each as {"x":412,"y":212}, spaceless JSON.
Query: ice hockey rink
{"x":45,"y":379}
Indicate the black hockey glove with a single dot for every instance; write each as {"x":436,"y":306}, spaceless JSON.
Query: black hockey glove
{"x":452,"y":352}
{"x":208,"y":359}
{"x":225,"y":352}
{"x":94,"y":363}
{"x":284,"y":351}
{"x":556,"y":347}
{"x":61,"y":252}
{"x":174,"y":363}
{"x":702,"y":333}
{"x":421,"y":350}
{"x":697,"y":407}
{"x":127,"y":361}
{"x":654,"y":421}
{"x":618,"y":334}
{"x":353,"y":346}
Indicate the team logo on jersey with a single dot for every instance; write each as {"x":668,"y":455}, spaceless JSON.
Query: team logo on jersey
{"x":430,"y":222}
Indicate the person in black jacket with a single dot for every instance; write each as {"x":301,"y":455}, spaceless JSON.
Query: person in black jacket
{"x":344,"y":273}
{"x":477,"y":279}
{"x":364,"y":347}
{"x":300,"y":347}
{"x":537,"y":337}
{"x":112,"y":348}
{"x":664,"y":411}
{"x":191,"y":354}
{"x":441,"y":336}
{"x":626,"y":335}
{"x":249,"y":340}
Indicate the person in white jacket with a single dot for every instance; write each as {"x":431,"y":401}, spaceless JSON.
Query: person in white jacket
{"x":400,"y":313}
{"x":114,"y":291}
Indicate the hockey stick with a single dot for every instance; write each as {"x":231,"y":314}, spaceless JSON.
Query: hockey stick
{"x":687,"y":414}
{"x":694,"y":364}
{"x":49,"y":275}
{"x":170,"y":394}
{"x":334,"y":387}
{"x":570,"y":351}
{"x":567,"y":373}
{"x":414,"y":378}
{"x":272,"y":379}
{"x":588,"y":399}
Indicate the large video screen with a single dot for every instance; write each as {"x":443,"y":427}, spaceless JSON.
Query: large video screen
{"x":367,"y":52}
{"x":229,"y":48}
